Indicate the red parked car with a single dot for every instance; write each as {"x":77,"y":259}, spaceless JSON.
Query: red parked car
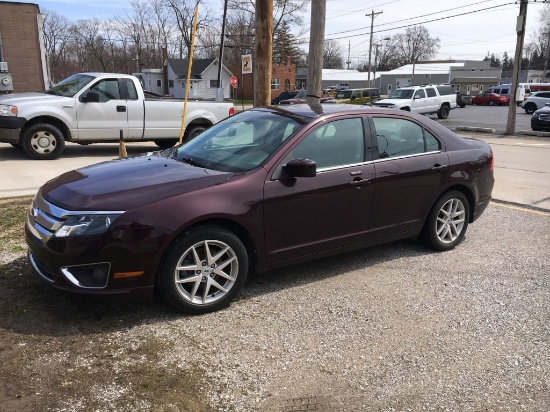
{"x":266,"y":188}
{"x":492,"y":99}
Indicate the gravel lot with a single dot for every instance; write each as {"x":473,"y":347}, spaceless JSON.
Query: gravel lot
{"x":391,"y":328}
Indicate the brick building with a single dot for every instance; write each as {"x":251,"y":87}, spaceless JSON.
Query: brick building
{"x":22,"y":49}
{"x":283,"y":77}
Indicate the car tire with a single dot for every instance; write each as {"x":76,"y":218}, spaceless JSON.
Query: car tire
{"x":204,"y":270}
{"x":537,"y":129}
{"x":447,"y":222}
{"x":530,"y":108}
{"x":43,"y":141}
{"x":443,"y":112}
{"x":166,"y":143}
{"x":193,"y":131}
{"x":492,"y":103}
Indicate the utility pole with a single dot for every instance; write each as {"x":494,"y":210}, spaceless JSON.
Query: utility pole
{"x":219,"y":93}
{"x":547,"y":55}
{"x":316,"y":47}
{"x":263,"y":44}
{"x":520,"y":30}
{"x":372,"y":16}
{"x":349,"y":51}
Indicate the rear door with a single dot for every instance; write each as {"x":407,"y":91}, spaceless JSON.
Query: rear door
{"x":410,"y":166}
{"x":328,"y":211}
{"x":135,"y":109}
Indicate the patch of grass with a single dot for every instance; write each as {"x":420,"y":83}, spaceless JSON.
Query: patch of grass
{"x":12,"y":224}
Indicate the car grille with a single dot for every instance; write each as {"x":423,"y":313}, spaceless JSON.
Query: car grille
{"x":44,"y":218}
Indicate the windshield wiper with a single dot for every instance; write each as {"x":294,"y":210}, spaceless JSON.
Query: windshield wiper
{"x":192,"y":162}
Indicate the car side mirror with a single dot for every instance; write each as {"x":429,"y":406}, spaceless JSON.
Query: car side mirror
{"x":89,"y":97}
{"x":301,"y":168}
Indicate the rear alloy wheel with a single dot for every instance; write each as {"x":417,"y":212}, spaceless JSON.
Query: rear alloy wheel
{"x":447,"y":222}
{"x":443,"y":112}
{"x":43,"y":141}
{"x":205,"y":269}
{"x":530,"y":108}
{"x":492,"y":103}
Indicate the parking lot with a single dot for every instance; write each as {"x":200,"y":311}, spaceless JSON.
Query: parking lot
{"x":394,"y":327}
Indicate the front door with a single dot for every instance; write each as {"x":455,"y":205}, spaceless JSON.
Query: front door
{"x":331,"y":210}
{"x":105,"y":119}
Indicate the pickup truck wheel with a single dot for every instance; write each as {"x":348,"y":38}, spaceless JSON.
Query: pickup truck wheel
{"x":193,"y":132}
{"x":166,"y":143}
{"x":43,"y":141}
{"x":204,"y":270}
{"x":443,"y":112}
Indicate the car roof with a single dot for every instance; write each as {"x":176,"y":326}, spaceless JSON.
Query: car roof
{"x":311,"y":111}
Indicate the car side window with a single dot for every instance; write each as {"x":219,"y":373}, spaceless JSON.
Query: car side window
{"x":107,"y":90}
{"x":545,"y":95}
{"x":335,"y":144}
{"x":130,"y":88}
{"x":420,"y":94}
{"x":430,"y":92}
{"x":400,"y":137}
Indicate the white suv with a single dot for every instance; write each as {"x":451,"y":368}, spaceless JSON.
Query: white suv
{"x":535,"y":101}
{"x":425,"y":99}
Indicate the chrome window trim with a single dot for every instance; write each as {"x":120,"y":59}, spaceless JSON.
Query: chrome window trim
{"x":406,"y":156}
{"x":65,"y":214}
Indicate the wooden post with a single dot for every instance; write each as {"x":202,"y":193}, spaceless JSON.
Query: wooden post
{"x":263,"y":43}
{"x":316,"y":48}
{"x":520,"y":29}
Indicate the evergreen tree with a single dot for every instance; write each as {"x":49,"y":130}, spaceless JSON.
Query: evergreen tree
{"x":285,"y":44}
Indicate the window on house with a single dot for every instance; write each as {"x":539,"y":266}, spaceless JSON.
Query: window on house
{"x":171,"y":83}
{"x":275,"y":84}
{"x":214,"y":84}
{"x":159,"y":83}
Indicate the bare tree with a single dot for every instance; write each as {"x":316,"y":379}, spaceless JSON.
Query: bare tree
{"x":56,"y":38}
{"x":184,"y":11}
{"x":333,"y":55}
{"x":414,"y":45}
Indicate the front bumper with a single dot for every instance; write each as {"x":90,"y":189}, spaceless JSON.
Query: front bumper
{"x":93,"y":265}
{"x":10,"y":128}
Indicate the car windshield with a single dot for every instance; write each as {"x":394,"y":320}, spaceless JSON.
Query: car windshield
{"x":70,"y":86}
{"x":344,"y":94}
{"x":301,"y":95}
{"x":402,"y":94}
{"x":241,"y":142}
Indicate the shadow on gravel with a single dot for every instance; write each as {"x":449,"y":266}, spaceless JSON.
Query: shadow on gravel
{"x":27,"y":306}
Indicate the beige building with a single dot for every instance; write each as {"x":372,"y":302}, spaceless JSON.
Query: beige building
{"x":22,"y":52}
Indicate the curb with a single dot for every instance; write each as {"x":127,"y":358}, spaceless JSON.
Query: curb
{"x":521,"y":205}
{"x":491,"y":131}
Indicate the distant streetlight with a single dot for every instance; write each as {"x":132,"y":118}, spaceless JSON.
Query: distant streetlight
{"x":376,"y":45}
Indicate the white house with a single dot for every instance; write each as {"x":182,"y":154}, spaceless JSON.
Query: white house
{"x":204,"y":79}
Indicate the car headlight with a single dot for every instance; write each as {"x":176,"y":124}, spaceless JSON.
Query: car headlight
{"x":86,"y":225}
{"x":7,"y":110}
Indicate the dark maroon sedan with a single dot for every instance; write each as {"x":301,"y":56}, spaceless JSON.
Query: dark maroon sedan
{"x":266,"y":188}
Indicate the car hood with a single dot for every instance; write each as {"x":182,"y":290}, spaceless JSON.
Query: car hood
{"x":128,"y":183}
{"x":385,"y":102}
{"x":22,"y":98}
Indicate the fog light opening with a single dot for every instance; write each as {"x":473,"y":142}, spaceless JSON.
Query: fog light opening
{"x":94,"y":275}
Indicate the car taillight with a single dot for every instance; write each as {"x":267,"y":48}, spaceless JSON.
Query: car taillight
{"x":231,"y":111}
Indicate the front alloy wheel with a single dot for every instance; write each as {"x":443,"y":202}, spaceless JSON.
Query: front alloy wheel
{"x":204,"y":271}
{"x":447,"y":222}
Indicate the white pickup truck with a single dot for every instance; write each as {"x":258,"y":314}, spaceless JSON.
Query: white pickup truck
{"x":100,"y":107}
{"x":425,"y":99}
